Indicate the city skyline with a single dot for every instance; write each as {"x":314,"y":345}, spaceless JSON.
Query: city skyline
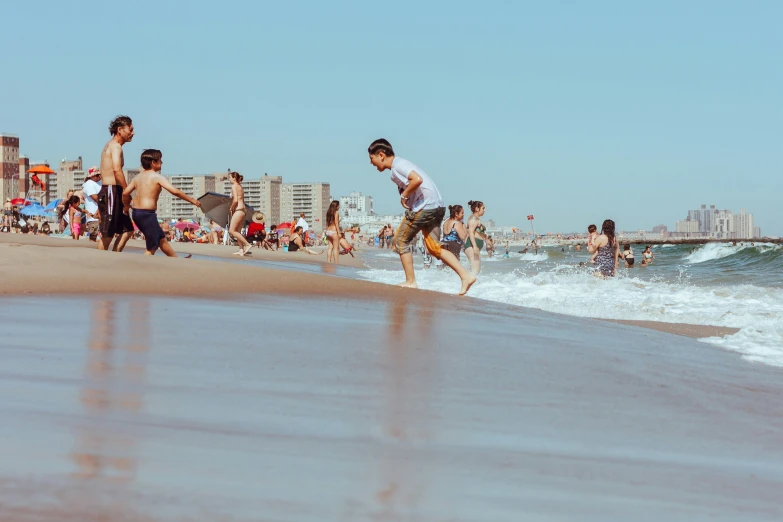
{"x":574,"y":115}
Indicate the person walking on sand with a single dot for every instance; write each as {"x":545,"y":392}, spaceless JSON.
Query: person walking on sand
{"x":115,"y":217}
{"x":424,"y":212}
{"x":148,"y":184}
{"x":333,"y":232}
{"x":607,"y":250}
{"x":238,"y":212}
{"x":475,"y":239}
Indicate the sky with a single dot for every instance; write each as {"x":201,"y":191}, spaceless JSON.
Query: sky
{"x":572,"y":111}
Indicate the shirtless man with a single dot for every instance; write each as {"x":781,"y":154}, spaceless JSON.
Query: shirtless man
{"x":115,"y":218}
{"x":147,"y":185}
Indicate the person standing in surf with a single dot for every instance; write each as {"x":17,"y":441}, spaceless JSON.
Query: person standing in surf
{"x":424,"y":212}
{"x":607,"y":250}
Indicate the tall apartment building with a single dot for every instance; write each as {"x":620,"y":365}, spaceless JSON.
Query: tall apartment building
{"x":9,"y":166}
{"x":270,"y":198}
{"x":24,"y":177}
{"x":356,"y":204}
{"x":171,"y":207}
{"x":743,"y":225}
{"x":723,"y":226}
{"x":312,"y":199}
{"x":691,"y":228}
{"x":705,"y":217}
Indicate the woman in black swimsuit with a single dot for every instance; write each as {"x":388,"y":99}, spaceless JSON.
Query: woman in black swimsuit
{"x":295,"y":243}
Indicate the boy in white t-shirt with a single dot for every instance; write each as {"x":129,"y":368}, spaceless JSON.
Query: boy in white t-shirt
{"x":425,"y":211}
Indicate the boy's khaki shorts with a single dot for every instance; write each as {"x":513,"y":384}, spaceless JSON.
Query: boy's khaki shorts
{"x":426,"y":221}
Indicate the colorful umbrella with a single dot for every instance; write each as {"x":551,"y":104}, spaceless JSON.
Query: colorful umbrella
{"x":187,"y":225}
{"x":21,"y":201}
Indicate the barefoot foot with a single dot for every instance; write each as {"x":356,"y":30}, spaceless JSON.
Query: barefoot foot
{"x":406,"y":284}
{"x":466,"y":284}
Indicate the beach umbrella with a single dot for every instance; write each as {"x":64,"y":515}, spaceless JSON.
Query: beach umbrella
{"x":33,"y":210}
{"x":215,"y":206}
{"x":53,"y":205}
{"x":21,"y":201}
{"x":187,"y":225}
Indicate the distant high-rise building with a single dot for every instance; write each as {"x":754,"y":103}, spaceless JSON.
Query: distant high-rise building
{"x":723,"y":224}
{"x":743,"y":225}
{"x":269,"y":192}
{"x":66,"y":165}
{"x":24,"y":177}
{"x":312,"y":199}
{"x":355,"y":205}
{"x":691,"y":228}
{"x":9,"y":166}
{"x":171,"y":207}
{"x":757,"y":232}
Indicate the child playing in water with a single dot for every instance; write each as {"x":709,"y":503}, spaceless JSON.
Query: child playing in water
{"x":591,"y":235}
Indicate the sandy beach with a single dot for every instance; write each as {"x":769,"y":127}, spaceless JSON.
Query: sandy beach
{"x":155,"y":389}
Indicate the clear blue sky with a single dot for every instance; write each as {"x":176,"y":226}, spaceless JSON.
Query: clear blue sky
{"x":572,"y":111}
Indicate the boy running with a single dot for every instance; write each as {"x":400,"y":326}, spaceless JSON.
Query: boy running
{"x":425,"y":211}
{"x":148,"y":185}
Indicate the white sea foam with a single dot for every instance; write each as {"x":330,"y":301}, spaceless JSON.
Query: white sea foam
{"x":757,"y":311}
{"x":713,"y":251}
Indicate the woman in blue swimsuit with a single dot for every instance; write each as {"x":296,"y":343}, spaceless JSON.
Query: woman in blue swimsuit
{"x":454,"y":230}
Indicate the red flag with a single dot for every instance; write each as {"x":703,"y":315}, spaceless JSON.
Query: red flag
{"x":530,"y":217}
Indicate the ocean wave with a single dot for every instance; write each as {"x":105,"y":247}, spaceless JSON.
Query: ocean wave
{"x":715,"y":251}
{"x":756,"y":311}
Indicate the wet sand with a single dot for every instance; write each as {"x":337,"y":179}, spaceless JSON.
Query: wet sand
{"x":127,"y":408}
{"x":282,"y":395}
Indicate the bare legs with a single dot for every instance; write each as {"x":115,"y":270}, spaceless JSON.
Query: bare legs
{"x":448,"y":259}
{"x":474,"y":258}
{"x":334,"y":248}
{"x":105,"y":242}
{"x":236,"y":223}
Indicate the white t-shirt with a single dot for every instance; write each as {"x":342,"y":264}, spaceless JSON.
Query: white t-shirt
{"x":426,"y":197}
{"x":302,"y":223}
{"x":91,"y":188}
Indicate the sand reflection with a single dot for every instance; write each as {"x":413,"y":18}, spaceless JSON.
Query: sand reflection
{"x":409,"y":353}
{"x":112,"y":391}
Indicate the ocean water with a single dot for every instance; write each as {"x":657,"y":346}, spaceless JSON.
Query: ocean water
{"x":715,"y":284}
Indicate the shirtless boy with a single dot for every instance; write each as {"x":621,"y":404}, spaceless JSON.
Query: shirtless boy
{"x":115,"y":219}
{"x":147,"y":186}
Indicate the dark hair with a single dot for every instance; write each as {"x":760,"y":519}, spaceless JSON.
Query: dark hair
{"x":591,"y":228}
{"x":236,"y":176}
{"x":297,"y":229}
{"x":454,"y":210}
{"x":626,"y":247}
{"x":274,"y":227}
{"x":118,"y":123}
{"x":607,"y":229}
{"x":68,"y":203}
{"x":380,"y":145}
{"x":475,"y":205}
{"x":150,"y":155}
{"x":331,"y":212}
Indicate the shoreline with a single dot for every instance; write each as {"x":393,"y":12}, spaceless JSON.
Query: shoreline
{"x":83,"y":270}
